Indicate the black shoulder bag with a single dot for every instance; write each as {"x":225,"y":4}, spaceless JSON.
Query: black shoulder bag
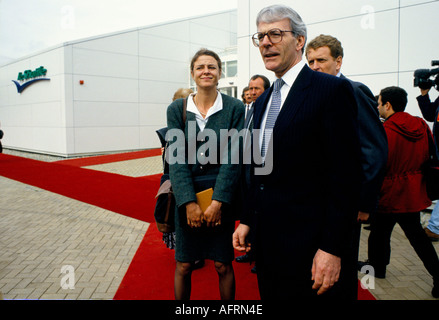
{"x":165,"y":203}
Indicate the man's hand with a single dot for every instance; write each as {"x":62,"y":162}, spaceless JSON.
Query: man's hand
{"x":362,"y":216}
{"x":240,"y":238}
{"x":325,"y":271}
{"x":424,"y":91}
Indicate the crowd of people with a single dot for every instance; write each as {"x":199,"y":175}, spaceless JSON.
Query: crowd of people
{"x":337,"y":157}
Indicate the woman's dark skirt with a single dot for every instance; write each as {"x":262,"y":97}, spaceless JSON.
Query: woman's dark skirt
{"x":214,"y":243}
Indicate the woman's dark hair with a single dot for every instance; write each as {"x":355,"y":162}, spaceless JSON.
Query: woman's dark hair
{"x":206,"y":52}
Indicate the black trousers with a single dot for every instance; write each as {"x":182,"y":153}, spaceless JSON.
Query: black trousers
{"x":379,"y":248}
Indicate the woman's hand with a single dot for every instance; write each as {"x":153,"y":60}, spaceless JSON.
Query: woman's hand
{"x":212,"y":215}
{"x":194,"y":214}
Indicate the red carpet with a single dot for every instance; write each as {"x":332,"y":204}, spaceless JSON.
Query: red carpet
{"x":150,"y":274}
{"x":132,"y":197}
{"x":364,"y":294}
{"x":90,"y":161}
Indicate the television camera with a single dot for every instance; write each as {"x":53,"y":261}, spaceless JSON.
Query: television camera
{"x":422,"y":77}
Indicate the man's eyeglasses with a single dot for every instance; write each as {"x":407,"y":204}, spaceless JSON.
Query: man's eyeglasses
{"x":274,"y":36}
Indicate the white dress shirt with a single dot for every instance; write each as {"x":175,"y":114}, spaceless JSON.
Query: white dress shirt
{"x":217,"y":106}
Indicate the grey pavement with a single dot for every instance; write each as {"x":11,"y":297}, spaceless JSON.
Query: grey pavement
{"x":406,"y":276}
{"x":54,"y":247}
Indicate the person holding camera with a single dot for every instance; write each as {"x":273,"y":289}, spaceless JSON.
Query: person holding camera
{"x":403,"y":193}
{"x":430,"y":112}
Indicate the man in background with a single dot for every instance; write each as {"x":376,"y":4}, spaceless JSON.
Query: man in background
{"x":246,"y":99}
{"x":325,"y":54}
{"x":403,"y":193}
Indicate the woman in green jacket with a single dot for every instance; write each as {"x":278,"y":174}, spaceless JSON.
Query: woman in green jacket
{"x":197,"y":162}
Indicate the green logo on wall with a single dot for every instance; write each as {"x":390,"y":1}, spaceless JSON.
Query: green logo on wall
{"x":31,"y":76}
{"x":28,"y":74}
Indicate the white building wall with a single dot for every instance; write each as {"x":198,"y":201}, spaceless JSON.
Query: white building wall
{"x":383,"y":41}
{"x":34,"y":119}
{"x":129,"y":79}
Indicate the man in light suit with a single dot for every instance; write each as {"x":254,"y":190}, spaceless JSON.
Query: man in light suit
{"x":305,"y":207}
{"x":325,"y":54}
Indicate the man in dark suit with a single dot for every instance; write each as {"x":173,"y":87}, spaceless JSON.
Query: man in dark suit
{"x":257,"y":85}
{"x":304,"y":196}
{"x":246,"y":99}
{"x":325,"y":54}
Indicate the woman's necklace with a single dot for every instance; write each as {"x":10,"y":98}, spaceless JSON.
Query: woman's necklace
{"x":196,"y":104}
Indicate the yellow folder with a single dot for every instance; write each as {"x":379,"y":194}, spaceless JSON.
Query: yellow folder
{"x":204,"y":198}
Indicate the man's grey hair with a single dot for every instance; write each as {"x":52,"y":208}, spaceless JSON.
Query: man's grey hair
{"x":277,"y":12}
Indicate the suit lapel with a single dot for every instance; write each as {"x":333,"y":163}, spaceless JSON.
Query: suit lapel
{"x":294,"y":100}
{"x":260,"y":106}
{"x":292,"y":104}
{"x":249,"y":116}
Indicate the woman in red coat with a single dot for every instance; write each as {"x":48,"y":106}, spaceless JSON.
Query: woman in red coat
{"x":403,"y":193}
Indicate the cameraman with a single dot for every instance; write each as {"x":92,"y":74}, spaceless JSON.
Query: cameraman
{"x":430,"y":112}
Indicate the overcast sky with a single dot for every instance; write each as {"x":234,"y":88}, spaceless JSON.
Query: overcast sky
{"x":28,"y":26}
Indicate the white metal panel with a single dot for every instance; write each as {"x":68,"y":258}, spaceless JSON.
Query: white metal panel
{"x":157,"y":47}
{"x":104,"y":89}
{"x":104,"y":139}
{"x":362,"y":55}
{"x":105,"y":114}
{"x":163,"y":70}
{"x":418,"y":47}
{"x":101,"y":63}
{"x":151,"y":114}
{"x":123,"y":43}
{"x":157,"y":92}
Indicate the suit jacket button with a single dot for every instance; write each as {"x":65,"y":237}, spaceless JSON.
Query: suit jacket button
{"x":261,"y":187}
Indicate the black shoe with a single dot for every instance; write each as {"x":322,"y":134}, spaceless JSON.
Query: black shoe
{"x":244,"y":258}
{"x":379,"y":272}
